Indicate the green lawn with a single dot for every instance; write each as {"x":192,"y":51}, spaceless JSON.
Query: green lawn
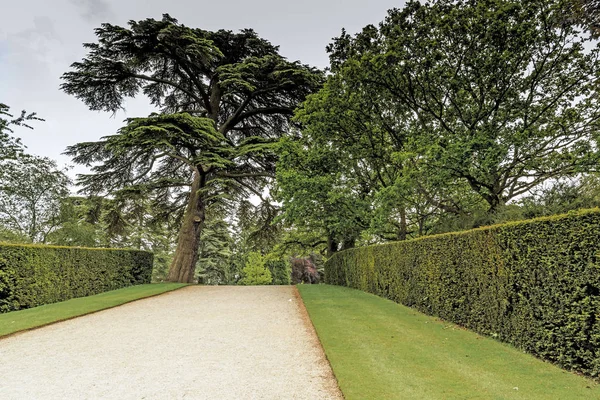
{"x":43,"y":315}
{"x":382,"y":350}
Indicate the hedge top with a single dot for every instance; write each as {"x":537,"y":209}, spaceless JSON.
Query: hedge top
{"x":46,"y":246}
{"x":556,"y":217}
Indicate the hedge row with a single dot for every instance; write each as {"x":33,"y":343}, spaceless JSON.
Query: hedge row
{"x":534,"y":284}
{"x":32,"y":275}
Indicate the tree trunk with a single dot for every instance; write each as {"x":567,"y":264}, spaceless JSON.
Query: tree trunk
{"x":495,"y":201}
{"x":186,"y":255}
{"x":403,"y":231}
{"x":332,"y":246}
{"x":349,"y":243}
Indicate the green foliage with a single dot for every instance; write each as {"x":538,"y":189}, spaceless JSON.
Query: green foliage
{"x":81,"y":224}
{"x":123,"y":222}
{"x":586,"y":13}
{"x":255,"y":272}
{"x":226,"y":97}
{"x":280,"y":270}
{"x":9,"y":236}
{"x":441,"y":118}
{"x":32,"y":275}
{"x":31,"y":187}
{"x":215,"y":262}
{"x":257,"y":226}
{"x":321,"y":191}
{"x":31,"y":191}
{"x":534,"y":284}
{"x":499,"y":94}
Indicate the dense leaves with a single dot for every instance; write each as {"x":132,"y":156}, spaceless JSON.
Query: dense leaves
{"x":216,"y":265}
{"x":502,"y":92}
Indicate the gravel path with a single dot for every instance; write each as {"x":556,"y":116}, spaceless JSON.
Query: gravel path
{"x":194,"y":343}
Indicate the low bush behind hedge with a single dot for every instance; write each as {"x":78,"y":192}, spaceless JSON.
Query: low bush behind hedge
{"x":534,"y":284}
{"x":32,"y":275}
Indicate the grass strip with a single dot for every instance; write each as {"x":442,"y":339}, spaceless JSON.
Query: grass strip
{"x":382,"y":350}
{"x":36,"y":317}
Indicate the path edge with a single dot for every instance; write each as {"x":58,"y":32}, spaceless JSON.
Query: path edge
{"x":309,"y":323}
{"x":10,"y":335}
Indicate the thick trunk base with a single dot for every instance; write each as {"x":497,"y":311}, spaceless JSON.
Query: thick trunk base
{"x":183,"y":266}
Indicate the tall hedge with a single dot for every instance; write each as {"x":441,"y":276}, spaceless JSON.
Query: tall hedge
{"x":32,"y":275}
{"x":534,"y":284}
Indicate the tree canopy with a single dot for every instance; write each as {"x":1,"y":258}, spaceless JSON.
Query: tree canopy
{"x":446,"y":111}
{"x":31,"y":189}
{"x":225,"y":97}
{"x":502,"y":92}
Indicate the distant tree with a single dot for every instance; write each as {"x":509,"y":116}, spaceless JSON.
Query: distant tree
{"x":232,"y":95}
{"x":31,"y":191}
{"x":75,"y":227}
{"x":11,"y":147}
{"x":257,"y":226}
{"x":216,"y":251}
{"x":255,"y":272}
{"x":561,"y":197}
{"x":9,"y":236}
{"x":281,"y":270}
{"x":322,"y":192}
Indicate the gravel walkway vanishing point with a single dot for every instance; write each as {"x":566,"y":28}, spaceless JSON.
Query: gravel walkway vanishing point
{"x":195,"y":343}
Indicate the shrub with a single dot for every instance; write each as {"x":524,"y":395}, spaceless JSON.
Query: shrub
{"x":534,"y":284}
{"x":32,"y":275}
{"x":255,"y":272}
{"x":304,"y":271}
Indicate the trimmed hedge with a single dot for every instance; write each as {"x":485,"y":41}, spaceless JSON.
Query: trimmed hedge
{"x":32,"y":275}
{"x":534,"y":284}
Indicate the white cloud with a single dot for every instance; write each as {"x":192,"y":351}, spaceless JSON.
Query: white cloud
{"x":94,"y":10}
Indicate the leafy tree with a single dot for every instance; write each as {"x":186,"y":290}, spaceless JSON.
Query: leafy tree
{"x":501,"y":92}
{"x":308,"y":185}
{"x":11,"y":147}
{"x":75,"y":227}
{"x":9,"y":236}
{"x":349,"y":173}
{"x":343,"y":175}
{"x":231,"y":94}
{"x":31,"y":190}
{"x":255,"y":272}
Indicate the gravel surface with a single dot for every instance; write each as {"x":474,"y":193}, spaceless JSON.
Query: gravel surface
{"x":195,"y":343}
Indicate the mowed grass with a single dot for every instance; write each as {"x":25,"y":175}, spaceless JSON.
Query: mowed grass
{"x":16,"y":321}
{"x":382,"y":350}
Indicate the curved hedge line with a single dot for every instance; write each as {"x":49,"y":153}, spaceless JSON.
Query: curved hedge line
{"x":534,"y":284}
{"x":32,"y":275}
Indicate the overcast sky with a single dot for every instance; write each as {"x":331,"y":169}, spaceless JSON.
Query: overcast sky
{"x":39,"y":39}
